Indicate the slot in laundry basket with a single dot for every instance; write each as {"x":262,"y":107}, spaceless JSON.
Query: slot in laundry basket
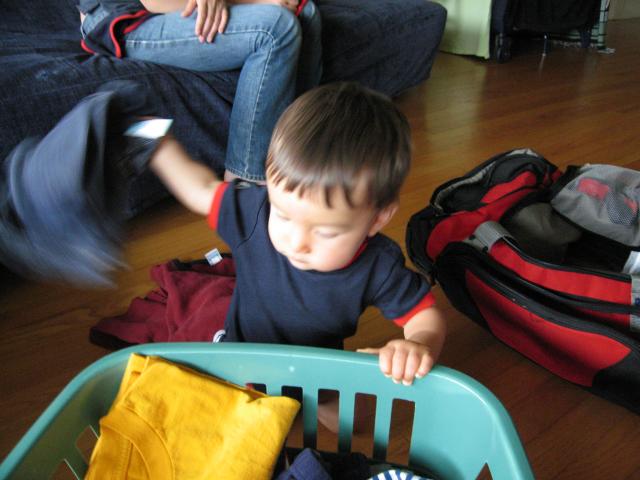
{"x":458,"y":425}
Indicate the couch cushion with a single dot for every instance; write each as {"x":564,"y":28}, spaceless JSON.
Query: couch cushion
{"x":388,"y":45}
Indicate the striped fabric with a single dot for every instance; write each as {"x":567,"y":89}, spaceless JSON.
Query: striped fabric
{"x":395,"y":474}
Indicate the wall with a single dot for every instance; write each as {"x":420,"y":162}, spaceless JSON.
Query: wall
{"x":624,"y":9}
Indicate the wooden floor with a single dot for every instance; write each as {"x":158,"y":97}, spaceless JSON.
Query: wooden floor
{"x":577,"y":107}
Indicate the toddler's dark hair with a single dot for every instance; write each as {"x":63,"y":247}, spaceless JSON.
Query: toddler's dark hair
{"x":337,"y":136}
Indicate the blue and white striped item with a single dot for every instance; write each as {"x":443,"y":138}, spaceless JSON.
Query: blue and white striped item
{"x":395,"y":474}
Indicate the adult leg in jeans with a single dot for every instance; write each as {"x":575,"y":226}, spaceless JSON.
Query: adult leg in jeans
{"x":265,"y":42}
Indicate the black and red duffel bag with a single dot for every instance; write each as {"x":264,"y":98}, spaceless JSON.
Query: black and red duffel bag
{"x":545,"y":260}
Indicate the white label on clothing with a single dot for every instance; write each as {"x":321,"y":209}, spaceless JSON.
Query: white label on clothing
{"x":152,"y":128}
{"x":213,"y":256}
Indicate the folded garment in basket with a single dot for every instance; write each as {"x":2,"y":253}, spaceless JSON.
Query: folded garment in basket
{"x":309,"y":464}
{"x":170,"y":422}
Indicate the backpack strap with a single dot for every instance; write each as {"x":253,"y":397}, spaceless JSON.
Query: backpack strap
{"x":487,"y":234}
{"x":569,"y":174}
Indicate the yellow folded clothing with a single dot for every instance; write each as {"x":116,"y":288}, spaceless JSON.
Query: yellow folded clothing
{"x":170,"y":422}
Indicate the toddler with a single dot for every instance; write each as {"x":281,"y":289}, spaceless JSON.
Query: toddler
{"x":307,"y":246}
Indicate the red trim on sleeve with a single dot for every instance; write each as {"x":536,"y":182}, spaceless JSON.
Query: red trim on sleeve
{"x":427,"y":301}
{"x":214,"y":211}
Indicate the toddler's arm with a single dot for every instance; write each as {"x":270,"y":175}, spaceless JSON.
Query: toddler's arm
{"x":413,"y":357}
{"x":191,"y":182}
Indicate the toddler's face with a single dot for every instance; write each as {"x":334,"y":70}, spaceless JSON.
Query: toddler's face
{"x":315,"y":237}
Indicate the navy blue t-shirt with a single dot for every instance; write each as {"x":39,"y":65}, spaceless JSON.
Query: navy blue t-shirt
{"x":274,"y":302}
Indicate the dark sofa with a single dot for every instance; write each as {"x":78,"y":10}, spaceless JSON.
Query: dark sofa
{"x":388,"y":45}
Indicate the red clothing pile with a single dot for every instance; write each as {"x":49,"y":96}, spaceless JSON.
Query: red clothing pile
{"x":189,"y":305}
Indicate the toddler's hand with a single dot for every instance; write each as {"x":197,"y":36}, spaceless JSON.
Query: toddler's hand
{"x":403,"y":360}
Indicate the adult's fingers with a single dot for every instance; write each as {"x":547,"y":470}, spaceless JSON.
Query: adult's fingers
{"x":216,"y":19}
{"x":209,"y":23}
{"x":224,"y":17}
{"x":189,"y":8}
{"x":203,"y":8}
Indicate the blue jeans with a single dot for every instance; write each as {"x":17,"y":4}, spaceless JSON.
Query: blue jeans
{"x":278,"y":53}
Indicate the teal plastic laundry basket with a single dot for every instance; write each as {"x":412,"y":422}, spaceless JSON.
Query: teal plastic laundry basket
{"x":458,"y":425}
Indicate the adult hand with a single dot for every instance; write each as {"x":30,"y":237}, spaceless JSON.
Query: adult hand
{"x":212,"y":17}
